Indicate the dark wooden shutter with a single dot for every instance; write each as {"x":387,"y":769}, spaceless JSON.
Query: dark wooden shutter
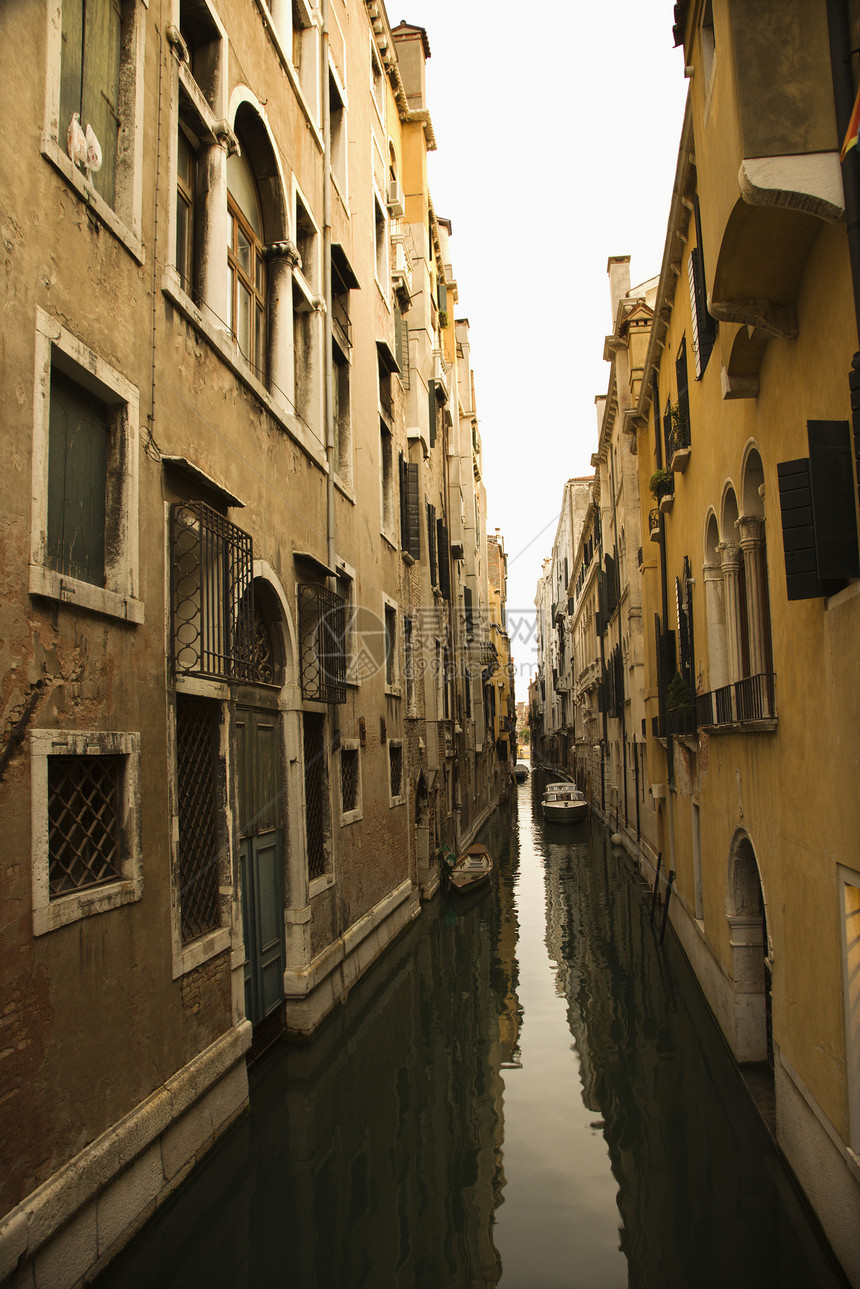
{"x":467,"y":605}
{"x":832,"y":480}
{"x":78,"y":442}
{"x":431,"y":410}
{"x":412,"y":543}
{"x":100,"y":86}
{"x":431,"y":543}
{"x":444,"y":562}
{"x":682,"y":383}
{"x":798,"y":529}
{"x":404,"y":523}
{"x":819,"y":524}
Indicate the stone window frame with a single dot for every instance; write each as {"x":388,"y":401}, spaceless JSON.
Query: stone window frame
{"x":392,"y":676}
{"x":119,"y":599}
{"x":50,"y":914}
{"x":123,"y":220}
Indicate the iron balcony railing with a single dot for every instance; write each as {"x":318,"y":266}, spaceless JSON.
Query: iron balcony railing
{"x":743,"y":702}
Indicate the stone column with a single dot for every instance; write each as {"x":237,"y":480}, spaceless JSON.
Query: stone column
{"x":730,"y":559}
{"x":282,"y":258}
{"x":214,"y":230}
{"x":715,"y":616}
{"x":751,"y":531}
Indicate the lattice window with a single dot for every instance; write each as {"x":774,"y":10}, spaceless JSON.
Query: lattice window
{"x":316,"y":794}
{"x":200,"y":829}
{"x":322,"y":628}
{"x":212,"y":594}
{"x":348,"y":779}
{"x":83,"y":822}
{"x":395,"y":765}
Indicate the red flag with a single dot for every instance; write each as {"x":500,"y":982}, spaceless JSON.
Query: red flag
{"x":853,"y":129}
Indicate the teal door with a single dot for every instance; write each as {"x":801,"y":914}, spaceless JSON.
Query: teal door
{"x":261,"y":860}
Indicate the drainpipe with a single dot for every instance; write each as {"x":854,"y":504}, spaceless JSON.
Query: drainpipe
{"x":328,"y":400}
{"x":843,"y":97}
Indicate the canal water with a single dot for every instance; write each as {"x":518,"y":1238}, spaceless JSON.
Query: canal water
{"x":527,"y":1091}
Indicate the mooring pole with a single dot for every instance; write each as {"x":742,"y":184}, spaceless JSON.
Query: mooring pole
{"x":666,"y":905}
{"x":656,"y":883}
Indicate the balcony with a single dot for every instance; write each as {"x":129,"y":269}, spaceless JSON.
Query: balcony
{"x":744,"y":705}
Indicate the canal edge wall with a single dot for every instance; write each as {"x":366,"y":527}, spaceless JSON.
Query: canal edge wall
{"x":69,"y":1228}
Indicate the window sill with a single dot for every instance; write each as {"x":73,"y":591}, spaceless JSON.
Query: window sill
{"x":84,"y":904}
{"x":222,"y":343}
{"x":393,"y":802}
{"x":393,"y":691}
{"x":201,"y":950}
{"x":53,"y":153}
{"x":680,"y":457}
{"x":767,"y":725}
{"x":317,"y":885}
{"x":351,"y":817}
{"x":84,"y":595}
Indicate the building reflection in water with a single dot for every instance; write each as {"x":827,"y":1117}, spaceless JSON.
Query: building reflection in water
{"x":372,"y":1156}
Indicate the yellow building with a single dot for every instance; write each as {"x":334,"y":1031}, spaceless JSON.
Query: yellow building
{"x":751,"y":594}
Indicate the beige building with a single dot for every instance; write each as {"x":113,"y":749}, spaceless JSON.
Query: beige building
{"x":236,"y":560}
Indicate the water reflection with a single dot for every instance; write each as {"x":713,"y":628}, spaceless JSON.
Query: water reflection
{"x":526,"y":1091}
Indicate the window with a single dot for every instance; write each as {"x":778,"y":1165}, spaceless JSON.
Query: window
{"x":203,"y":41}
{"x":201,"y":815}
{"x":316,"y":795}
{"x":409,"y":643}
{"x":431,"y":544}
{"x":341,"y":414}
{"x":380,"y":246}
{"x":704,"y":326}
{"x":186,"y":185}
{"x":395,"y":768}
{"x":322,"y":634}
{"x":337,"y":121}
{"x":85,"y":824}
{"x":386,"y":453}
{"x":391,"y":670}
{"x":84,"y":547}
{"x":850,"y":917}
{"x":246,"y":265}
{"x":410,"y":508}
{"x":211,"y":564}
{"x":307,"y":243}
{"x":346,"y":591}
{"x":350,"y":782}
{"x":377,"y":79}
{"x":93,"y":108}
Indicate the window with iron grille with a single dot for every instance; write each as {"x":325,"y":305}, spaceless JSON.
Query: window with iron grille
{"x":316,"y":794}
{"x":200,"y":809}
{"x":322,"y":631}
{"x":83,"y":822}
{"x":350,"y":795}
{"x":390,"y":645}
{"x":395,"y":765}
{"x":86,"y":857}
{"x":211,"y":565}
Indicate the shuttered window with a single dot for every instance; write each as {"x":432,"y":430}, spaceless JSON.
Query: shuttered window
{"x":410,"y":508}
{"x":79,"y":442}
{"x":431,"y":544}
{"x":683,"y":388}
{"x":444,"y":559}
{"x":819,"y":525}
{"x":431,"y":410}
{"x":89,"y":79}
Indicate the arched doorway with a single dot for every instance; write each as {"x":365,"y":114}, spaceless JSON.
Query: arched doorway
{"x":752,"y":1040}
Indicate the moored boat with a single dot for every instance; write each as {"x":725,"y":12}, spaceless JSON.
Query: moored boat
{"x":470,"y":870}
{"x":521,"y":771}
{"x":563,"y":803}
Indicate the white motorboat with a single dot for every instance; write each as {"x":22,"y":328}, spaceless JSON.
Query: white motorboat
{"x":563,"y":803}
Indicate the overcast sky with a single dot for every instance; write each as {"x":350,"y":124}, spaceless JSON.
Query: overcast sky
{"x":558,"y":129}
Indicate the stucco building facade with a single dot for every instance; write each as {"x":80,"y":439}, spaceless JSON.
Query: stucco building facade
{"x":236,"y":557}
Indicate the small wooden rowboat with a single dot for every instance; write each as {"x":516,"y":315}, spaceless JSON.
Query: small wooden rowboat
{"x":470,"y":870}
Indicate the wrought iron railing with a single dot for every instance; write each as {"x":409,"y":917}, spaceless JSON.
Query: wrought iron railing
{"x":743,"y":702}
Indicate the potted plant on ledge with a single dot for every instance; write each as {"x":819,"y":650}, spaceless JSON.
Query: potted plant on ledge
{"x":662,"y":485}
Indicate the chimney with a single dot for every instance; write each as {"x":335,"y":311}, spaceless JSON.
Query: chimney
{"x":618,"y":268}
{"x":413,"y":50}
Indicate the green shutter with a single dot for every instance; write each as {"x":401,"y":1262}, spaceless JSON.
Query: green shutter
{"x":798,"y":529}
{"x":431,"y":543}
{"x":444,"y":558}
{"x":100,"y":86}
{"x":413,"y":508}
{"x":431,"y":410}
{"x":71,"y":65}
{"x":79,"y":436}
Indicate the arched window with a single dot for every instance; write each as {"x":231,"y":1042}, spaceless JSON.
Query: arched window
{"x":246,"y":264}
{"x":751,"y":527}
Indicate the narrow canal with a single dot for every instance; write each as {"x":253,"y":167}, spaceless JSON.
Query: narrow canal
{"x":527,"y":1092}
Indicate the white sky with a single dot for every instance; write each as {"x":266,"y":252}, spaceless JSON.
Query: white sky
{"x":558,"y":128}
